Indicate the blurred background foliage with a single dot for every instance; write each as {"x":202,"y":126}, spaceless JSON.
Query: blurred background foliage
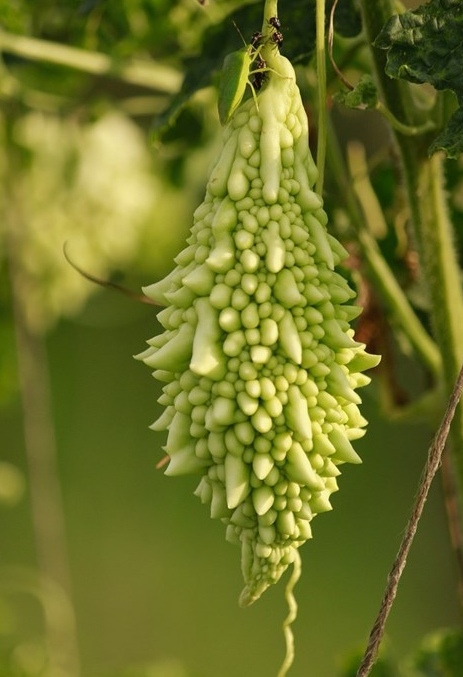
{"x":107,"y":569}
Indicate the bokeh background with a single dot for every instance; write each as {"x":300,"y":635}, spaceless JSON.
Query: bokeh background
{"x":153,"y":584}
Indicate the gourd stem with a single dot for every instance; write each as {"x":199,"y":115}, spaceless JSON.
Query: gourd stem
{"x":269,"y":48}
{"x":147,"y":74}
{"x":385,"y":281}
{"x":270,"y":10}
{"x":321,"y":86}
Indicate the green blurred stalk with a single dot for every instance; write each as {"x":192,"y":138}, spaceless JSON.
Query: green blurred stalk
{"x":424,"y":182}
{"x":44,"y":484}
{"x":147,"y":73}
{"x":321,"y":86}
{"x":380,"y":273}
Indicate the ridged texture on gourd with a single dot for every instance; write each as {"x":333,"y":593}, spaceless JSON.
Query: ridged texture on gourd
{"x":258,"y":359}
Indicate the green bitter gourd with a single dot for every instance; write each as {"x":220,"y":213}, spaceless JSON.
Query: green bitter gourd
{"x":259,"y":362}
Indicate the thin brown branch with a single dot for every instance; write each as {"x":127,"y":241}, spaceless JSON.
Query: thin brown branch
{"x":338,"y":72}
{"x":107,"y":283}
{"x":432,"y":464}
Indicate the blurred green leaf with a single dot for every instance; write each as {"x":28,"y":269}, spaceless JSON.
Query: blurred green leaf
{"x":441,"y":654}
{"x":451,"y":139}
{"x":13,"y":15}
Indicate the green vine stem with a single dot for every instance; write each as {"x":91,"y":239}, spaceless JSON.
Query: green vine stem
{"x":426,"y":192}
{"x":292,"y":615}
{"x":407,"y":130}
{"x":270,"y":10}
{"x":385,"y":281}
{"x":141,"y":73}
{"x":321,"y":87}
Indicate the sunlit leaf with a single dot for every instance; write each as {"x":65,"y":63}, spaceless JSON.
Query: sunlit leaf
{"x":425,"y":46}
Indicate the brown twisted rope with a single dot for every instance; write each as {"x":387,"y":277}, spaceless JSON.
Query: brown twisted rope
{"x":432,"y":464}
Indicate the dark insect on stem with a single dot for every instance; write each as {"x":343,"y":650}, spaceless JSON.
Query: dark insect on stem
{"x":275,"y":22}
{"x":277,"y":38}
{"x":260,"y":74}
{"x":255,"y":39}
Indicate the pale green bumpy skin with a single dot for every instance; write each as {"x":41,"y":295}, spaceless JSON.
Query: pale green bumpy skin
{"x":259,"y":362}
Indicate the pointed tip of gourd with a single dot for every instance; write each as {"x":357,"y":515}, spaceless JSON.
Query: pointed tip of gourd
{"x":183,"y":462}
{"x":246,"y":598}
{"x":320,"y":504}
{"x":356,"y":434}
{"x":363,"y":361}
{"x":345,"y":452}
{"x":164,"y":420}
{"x":154,"y":293}
{"x":144,"y":354}
{"x":253,"y":591}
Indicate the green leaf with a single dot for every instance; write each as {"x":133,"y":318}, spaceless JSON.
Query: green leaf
{"x":425,"y":46}
{"x":440,"y":654}
{"x":451,"y":139}
{"x":364,"y":95}
{"x":203,"y":70}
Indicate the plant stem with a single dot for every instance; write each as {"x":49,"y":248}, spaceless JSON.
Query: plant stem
{"x":147,"y":74}
{"x":321,"y":86}
{"x":407,"y":130}
{"x":440,"y":267}
{"x":45,"y":490}
{"x":385,"y":282}
{"x":425,"y":188}
{"x":270,"y":10}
